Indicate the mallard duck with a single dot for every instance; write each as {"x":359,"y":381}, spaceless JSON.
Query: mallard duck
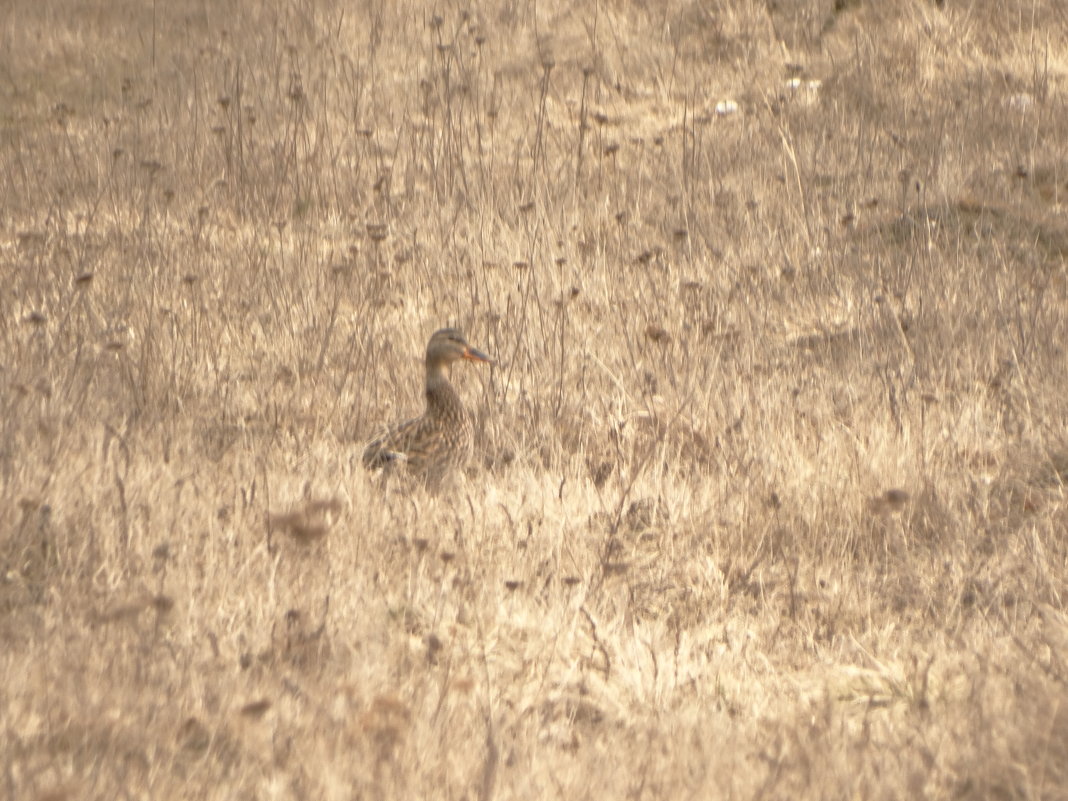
{"x":439,"y":440}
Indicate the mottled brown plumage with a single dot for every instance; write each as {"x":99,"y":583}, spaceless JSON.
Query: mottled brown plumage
{"x":439,"y":440}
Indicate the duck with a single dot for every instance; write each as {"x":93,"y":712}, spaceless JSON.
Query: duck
{"x":439,"y":441}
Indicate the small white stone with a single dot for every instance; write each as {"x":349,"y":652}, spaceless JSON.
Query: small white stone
{"x":1021,"y":102}
{"x":726,"y":107}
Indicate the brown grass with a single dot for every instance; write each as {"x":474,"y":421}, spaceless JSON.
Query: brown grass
{"x":770,"y":500}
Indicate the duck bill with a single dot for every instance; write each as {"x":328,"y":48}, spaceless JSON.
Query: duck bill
{"x":475,"y":355}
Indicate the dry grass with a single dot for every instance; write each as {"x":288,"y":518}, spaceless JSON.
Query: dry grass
{"x":771,"y":496}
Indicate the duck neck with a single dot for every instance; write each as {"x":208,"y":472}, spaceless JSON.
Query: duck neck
{"x":440,"y":396}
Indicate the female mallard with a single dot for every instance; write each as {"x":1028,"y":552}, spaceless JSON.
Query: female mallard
{"x":439,"y":440}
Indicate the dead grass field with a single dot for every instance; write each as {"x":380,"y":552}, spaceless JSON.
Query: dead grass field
{"x":770,"y":494}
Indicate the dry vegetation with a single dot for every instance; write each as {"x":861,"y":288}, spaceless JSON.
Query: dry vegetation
{"x":770,"y":500}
